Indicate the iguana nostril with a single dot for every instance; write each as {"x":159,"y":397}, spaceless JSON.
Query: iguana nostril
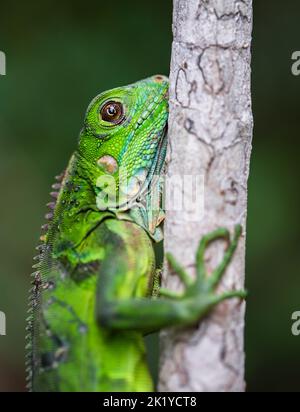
{"x":108,"y":164}
{"x":159,"y":78}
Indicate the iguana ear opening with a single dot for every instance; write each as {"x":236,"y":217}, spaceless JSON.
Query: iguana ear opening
{"x":108,"y":164}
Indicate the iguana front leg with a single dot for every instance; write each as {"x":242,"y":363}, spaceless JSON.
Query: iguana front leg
{"x":198,"y":298}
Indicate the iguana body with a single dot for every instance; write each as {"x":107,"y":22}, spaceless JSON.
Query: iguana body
{"x":93,"y":290}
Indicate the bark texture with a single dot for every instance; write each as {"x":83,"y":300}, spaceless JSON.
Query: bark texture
{"x":210,"y":132}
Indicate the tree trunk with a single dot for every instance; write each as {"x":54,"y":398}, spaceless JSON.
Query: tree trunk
{"x":210,"y":132}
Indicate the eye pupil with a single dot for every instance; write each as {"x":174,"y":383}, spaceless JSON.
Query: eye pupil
{"x":112,"y":112}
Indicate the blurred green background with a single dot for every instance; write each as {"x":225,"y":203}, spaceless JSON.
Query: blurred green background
{"x":62,"y":53}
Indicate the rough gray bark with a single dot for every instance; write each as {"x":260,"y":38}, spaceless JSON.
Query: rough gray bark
{"x":210,"y":132}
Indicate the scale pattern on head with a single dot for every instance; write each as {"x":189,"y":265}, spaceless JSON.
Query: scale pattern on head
{"x":123,"y":133}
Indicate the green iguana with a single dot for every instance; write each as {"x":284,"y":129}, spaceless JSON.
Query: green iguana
{"x":95,"y":291}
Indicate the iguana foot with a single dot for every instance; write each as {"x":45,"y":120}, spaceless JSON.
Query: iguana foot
{"x":199,"y":295}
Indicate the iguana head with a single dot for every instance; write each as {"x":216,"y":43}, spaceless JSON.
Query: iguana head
{"x":123,"y":141}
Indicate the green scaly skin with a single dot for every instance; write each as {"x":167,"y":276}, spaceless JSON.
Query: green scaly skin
{"x":94,"y":291}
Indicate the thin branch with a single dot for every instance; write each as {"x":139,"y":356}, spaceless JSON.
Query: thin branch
{"x":210,"y":129}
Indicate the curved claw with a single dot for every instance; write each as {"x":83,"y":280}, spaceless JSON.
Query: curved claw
{"x":186,"y":279}
{"x":240,"y":294}
{"x":221,"y":233}
{"x":217,"y":274}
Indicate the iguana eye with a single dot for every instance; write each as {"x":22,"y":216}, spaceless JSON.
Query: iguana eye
{"x":112,"y":112}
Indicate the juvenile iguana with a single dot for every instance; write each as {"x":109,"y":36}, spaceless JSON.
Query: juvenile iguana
{"x":94,"y":291}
